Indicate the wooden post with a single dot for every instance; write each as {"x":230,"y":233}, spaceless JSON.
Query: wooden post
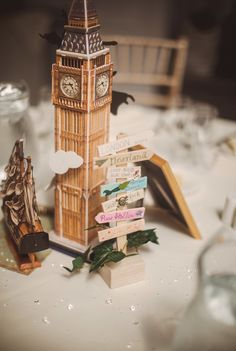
{"x":122,"y":240}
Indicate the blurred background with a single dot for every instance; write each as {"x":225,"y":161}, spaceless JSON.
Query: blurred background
{"x":209,"y":26}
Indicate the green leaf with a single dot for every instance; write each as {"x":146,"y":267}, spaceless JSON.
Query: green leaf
{"x":87,"y":253}
{"x":102,"y":249}
{"x":77,"y":264}
{"x":142,"y":237}
{"x":115,"y":256}
{"x":98,"y":262}
{"x":124,"y":185}
{"x":112,"y":256}
{"x":100,"y":226}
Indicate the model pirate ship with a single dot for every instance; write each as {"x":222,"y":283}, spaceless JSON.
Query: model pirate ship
{"x":20,"y":207}
{"x":82,"y":94}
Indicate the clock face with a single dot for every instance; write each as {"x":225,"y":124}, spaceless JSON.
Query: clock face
{"x":70,"y":86}
{"x":102,"y":85}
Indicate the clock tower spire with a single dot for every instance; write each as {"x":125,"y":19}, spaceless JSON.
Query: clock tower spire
{"x":81,"y":93}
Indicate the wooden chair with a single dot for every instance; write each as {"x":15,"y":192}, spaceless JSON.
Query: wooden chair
{"x":152,"y":69}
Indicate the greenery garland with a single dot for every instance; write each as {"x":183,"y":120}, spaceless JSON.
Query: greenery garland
{"x":99,"y":255}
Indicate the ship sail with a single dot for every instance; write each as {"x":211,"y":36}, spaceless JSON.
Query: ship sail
{"x":18,"y":189}
{"x":19,"y":203}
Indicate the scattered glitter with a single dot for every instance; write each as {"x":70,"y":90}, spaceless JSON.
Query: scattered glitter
{"x":7,"y":259}
{"x":12,"y":261}
{"x":129,"y":346}
{"x":3,"y":270}
{"x":162,"y":281}
{"x":176,"y":281}
{"x":70,"y":307}
{"x":61,"y":265}
{"x":2,"y":253}
{"x":5,"y":305}
{"x":53,"y":264}
{"x":109,"y":301}
{"x":189,"y":276}
{"x":37,"y":301}
{"x":132,"y":308}
{"x":45,"y":320}
{"x":189,"y":270}
{"x":62,"y":300}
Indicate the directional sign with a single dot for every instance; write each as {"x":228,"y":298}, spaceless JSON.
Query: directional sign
{"x":122,"y":200}
{"x":122,"y":158}
{"x":118,"y":216}
{"x":124,"y":172}
{"x":121,"y":230}
{"x":108,"y":189}
{"x":124,"y":143}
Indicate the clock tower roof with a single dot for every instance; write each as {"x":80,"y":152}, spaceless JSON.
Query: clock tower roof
{"x":83,"y":14}
{"x":82,"y":34}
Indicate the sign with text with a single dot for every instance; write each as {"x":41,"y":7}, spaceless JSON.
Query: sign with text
{"x":108,"y":189}
{"x":121,"y":230}
{"x":124,"y":143}
{"x":118,"y":216}
{"x":122,"y":158}
{"x":124,"y":172}
{"x":122,"y":200}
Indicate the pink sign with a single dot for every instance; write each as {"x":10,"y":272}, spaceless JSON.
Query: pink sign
{"x":118,"y":216}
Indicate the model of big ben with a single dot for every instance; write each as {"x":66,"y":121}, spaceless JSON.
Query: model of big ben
{"x":81,"y":93}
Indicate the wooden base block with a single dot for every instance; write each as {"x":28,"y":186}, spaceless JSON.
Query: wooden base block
{"x":28,"y":262}
{"x":129,"y":271}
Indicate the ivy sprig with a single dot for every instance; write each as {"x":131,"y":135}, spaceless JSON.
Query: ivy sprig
{"x":105,"y":252}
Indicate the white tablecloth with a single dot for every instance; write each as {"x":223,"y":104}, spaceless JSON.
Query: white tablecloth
{"x":53,"y":310}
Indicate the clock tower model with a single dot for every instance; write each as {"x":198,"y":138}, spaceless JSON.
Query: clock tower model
{"x":81,"y":93}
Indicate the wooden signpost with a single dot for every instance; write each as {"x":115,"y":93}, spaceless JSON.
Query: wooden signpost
{"x":121,"y":230}
{"x":119,"y":216}
{"x":127,"y":189}
{"x":117,"y":188}
{"x":123,"y":143}
{"x":129,"y":198}
{"x":123,"y":172}
{"x":120,"y":159}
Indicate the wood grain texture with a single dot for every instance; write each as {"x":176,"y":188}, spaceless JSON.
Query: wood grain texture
{"x":129,"y":271}
{"x":166,"y":190}
{"x":152,"y":62}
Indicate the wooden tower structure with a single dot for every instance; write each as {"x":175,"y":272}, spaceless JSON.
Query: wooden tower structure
{"x":81,"y":93}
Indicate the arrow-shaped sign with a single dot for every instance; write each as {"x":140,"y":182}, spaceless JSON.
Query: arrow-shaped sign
{"x":108,"y":189}
{"x":122,"y":200}
{"x":124,"y":143}
{"x":122,"y":158}
{"x":124,"y":172}
{"x":123,"y":229}
{"x":118,"y":216}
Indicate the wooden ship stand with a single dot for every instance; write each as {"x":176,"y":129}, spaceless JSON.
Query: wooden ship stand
{"x":20,"y":209}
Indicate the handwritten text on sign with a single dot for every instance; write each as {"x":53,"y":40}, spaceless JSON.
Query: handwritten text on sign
{"x":120,"y":159}
{"x":118,"y":216}
{"x":124,"y":172}
{"x":121,"y":230}
{"x":124,"y":143}
{"x":122,"y":200}
{"x":108,"y":189}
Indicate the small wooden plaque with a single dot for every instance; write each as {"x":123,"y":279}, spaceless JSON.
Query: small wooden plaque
{"x":131,"y":270}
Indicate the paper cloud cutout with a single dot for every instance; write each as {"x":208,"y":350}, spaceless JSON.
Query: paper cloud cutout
{"x":60,"y":162}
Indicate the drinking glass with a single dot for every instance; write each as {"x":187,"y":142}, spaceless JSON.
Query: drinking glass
{"x":209,"y":323}
{"x":15,"y":122}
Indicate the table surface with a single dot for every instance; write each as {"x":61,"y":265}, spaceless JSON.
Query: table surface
{"x":53,"y":310}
